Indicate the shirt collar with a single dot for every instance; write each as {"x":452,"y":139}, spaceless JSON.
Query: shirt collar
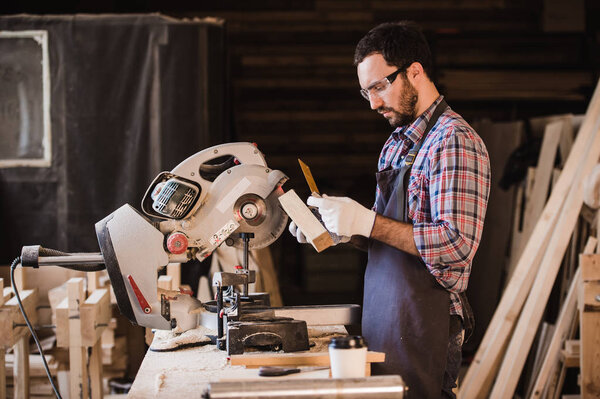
{"x":414,"y":131}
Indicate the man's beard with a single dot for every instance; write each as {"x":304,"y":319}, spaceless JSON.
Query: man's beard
{"x":408,"y":106}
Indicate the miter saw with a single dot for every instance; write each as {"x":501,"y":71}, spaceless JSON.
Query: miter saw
{"x":223,"y":194}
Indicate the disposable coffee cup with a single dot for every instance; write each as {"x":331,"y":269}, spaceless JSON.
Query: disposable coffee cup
{"x":348,"y":356}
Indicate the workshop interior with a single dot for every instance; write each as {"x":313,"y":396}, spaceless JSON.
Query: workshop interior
{"x":153,"y":155}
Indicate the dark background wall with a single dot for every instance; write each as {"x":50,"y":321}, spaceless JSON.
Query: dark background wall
{"x":294,"y":90}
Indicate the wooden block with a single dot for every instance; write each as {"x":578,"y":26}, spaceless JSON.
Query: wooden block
{"x":12,"y":323}
{"x":62,"y":324}
{"x":293,"y":359}
{"x":306,"y":221}
{"x":569,"y":360}
{"x":95,"y":316}
{"x":572,"y":346}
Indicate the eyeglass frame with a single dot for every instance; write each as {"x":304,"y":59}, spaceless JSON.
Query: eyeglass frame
{"x":389,"y":79}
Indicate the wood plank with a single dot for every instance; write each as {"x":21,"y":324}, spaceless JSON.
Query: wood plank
{"x":543,"y":174}
{"x":78,"y":382}
{"x":590,"y":326}
{"x":536,"y":302}
{"x":482,"y":371}
{"x":21,"y":368}
{"x":306,"y":221}
{"x":293,"y":359}
{"x":96,"y":371}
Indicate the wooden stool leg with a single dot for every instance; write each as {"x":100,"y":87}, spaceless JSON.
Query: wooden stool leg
{"x":96,"y":370}
{"x":21,"y":368}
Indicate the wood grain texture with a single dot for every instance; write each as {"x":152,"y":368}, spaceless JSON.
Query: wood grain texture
{"x":306,"y":221}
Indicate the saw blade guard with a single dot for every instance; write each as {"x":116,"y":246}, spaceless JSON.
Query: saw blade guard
{"x":241,"y":200}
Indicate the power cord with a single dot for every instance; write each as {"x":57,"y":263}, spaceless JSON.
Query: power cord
{"x":13,"y":266}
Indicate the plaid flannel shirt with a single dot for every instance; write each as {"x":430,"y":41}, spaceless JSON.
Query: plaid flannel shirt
{"x":447,"y":194}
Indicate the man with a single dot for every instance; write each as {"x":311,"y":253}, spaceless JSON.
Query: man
{"x":422,"y":233}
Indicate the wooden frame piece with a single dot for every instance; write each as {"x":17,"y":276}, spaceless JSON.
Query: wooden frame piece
{"x":80,"y":324}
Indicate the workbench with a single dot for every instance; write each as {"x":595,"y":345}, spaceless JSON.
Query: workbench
{"x":189,"y":371}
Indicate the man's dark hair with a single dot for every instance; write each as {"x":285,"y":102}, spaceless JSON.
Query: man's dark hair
{"x":400,"y":44}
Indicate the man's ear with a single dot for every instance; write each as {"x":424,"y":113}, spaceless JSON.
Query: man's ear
{"x":415,"y":71}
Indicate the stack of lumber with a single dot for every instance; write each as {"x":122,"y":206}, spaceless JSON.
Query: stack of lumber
{"x":39,"y":386}
{"x":501,"y":357}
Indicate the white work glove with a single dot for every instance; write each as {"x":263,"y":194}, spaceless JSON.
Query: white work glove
{"x":344,"y":216}
{"x":301,"y":238}
{"x":296,"y":232}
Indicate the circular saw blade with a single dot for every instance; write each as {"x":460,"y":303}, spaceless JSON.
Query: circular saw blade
{"x":269,"y":229}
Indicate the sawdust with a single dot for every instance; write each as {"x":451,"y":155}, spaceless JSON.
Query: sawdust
{"x":189,"y":371}
{"x":160,"y":381}
{"x":169,"y":340}
{"x":321,"y":336}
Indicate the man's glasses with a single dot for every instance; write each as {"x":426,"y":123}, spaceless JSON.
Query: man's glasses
{"x":379,"y":87}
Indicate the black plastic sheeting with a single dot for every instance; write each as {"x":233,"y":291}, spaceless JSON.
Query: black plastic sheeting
{"x":131,"y":95}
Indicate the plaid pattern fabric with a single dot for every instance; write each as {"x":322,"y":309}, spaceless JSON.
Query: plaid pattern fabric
{"x":447,"y":194}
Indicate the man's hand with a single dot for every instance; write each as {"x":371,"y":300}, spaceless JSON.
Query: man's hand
{"x":344,"y":216}
{"x":301,"y":238}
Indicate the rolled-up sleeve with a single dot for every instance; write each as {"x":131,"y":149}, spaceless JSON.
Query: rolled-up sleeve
{"x":458,"y":189}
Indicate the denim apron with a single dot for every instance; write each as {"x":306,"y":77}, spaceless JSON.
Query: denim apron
{"x":405,"y":310}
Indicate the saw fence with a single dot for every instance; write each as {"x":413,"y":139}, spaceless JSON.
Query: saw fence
{"x":548,"y":237}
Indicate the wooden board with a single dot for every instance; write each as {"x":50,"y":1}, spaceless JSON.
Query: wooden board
{"x":293,"y":359}
{"x":310,"y":226}
{"x":543,"y":174}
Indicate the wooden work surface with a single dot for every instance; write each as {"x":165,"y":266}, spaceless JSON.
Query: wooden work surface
{"x":189,"y":371}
